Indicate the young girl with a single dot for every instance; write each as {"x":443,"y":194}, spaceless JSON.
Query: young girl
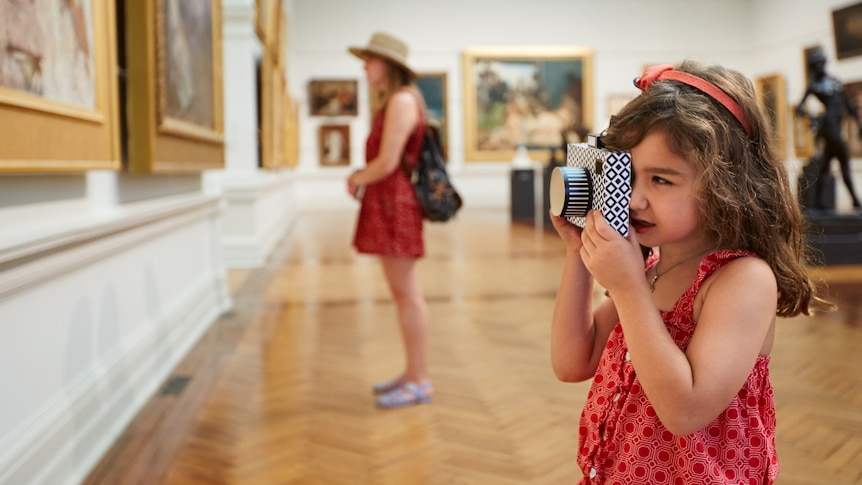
{"x":679,"y":352}
{"x":390,"y":219}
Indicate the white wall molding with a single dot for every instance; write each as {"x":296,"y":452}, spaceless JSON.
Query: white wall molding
{"x":32,"y":259}
{"x":98,"y":305}
{"x":66,"y":437}
{"x":260,"y":208}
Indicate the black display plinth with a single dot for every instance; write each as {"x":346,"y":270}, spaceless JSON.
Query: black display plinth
{"x":837,"y":237}
{"x":523,"y":195}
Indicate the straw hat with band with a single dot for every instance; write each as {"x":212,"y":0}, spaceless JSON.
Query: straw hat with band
{"x":387,"y":47}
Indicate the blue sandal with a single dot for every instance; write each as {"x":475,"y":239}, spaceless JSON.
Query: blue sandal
{"x":407,"y":394}
{"x":386,"y":386}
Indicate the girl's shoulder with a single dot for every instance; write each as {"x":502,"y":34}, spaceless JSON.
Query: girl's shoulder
{"x":736,"y":269}
{"x":734,"y":276}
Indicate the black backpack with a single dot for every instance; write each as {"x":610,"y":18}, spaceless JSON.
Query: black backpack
{"x":437,"y":197}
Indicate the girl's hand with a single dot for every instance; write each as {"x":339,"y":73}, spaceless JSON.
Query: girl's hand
{"x":569,"y":233}
{"x":614,"y":261}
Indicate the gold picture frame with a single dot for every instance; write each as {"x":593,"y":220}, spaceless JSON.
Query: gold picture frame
{"x":291,"y":132}
{"x":803,"y":138}
{"x":334,"y":145}
{"x":261,"y":9}
{"x":772,"y":96}
{"x":273,"y":91}
{"x":333,"y":97}
{"x":175,"y":103}
{"x":529,"y":95}
{"x":845,"y":30}
{"x":850,"y":126}
{"x":63,"y":87}
{"x":269,"y":19}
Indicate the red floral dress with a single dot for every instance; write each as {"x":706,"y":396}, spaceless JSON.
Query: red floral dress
{"x":390,"y":219}
{"x":622,"y":441}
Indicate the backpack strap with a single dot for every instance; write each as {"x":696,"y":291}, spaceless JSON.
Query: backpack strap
{"x":405,"y":166}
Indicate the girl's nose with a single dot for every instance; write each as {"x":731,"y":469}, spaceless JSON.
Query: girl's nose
{"x":638,"y":200}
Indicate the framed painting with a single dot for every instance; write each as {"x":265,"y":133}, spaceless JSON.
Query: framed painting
{"x":803,"y":138}
{"x":186,"y":69}
{"x":847,"y":30}
{"x":174,"y":78}
{"x":58,"y":77}
{"x":524,"y":96}
{"x":433,"y":86}
{"x":772,"y":97}
{"x":291,"y":132}
{"x":851,"y":127}
{"x":333,"y":97}
{"x":272,"y":123}
{"x":334,"y":145}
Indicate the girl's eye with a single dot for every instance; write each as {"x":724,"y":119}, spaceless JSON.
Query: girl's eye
{"x":660,"y":181}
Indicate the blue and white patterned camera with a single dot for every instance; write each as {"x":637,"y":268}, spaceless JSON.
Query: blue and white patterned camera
{"x":594,"y":178}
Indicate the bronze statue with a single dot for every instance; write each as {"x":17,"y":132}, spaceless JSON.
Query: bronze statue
{"x":827,"y":126}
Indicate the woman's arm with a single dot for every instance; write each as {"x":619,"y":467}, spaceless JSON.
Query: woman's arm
{"x":402,"y":115}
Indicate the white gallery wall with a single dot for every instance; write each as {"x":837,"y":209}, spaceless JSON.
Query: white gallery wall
{"x":757,"y":37}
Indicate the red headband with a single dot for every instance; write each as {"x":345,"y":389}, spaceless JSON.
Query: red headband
{"x":665,"y":71}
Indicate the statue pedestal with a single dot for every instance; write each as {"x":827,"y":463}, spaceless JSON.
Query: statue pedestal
{"x":838,"y":237}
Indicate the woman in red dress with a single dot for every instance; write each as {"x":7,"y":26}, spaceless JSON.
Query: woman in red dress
{"x":390,"y":219}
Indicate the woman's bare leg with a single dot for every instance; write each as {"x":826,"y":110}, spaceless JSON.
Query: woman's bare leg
{"x":412,"y":314}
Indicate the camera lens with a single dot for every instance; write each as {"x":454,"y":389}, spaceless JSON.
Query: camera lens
{"x":570,"y":192}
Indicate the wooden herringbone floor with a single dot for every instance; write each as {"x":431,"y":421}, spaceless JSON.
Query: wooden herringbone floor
{"x":277,"y":391}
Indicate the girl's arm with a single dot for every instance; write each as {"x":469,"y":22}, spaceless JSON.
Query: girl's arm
{"x":737,"y":307}
{"x":402,"y":115}
{"x":578,"y":335}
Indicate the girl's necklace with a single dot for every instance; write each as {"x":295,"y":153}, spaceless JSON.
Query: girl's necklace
{"x":657,"y":274}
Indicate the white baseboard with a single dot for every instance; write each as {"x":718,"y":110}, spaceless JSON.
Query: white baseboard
{"x":69,"y":435}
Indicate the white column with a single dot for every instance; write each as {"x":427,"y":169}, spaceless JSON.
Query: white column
{"x":241,"y":48}
{"x":259,"y":206}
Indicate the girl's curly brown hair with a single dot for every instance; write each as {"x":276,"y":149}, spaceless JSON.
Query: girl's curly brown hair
{"x":745,"y":198}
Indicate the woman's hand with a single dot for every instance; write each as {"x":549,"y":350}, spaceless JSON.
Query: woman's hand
{"x":569,"y":233}
{"x":614,"y":261}
{"x":353,"y":184}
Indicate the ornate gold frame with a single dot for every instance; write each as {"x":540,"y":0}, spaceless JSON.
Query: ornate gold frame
{"x":523,"y":53}
{"x":776,"y":85}
{"x":271,"y":115}
{"x":159,"y":143}
{"x":80,"y":139}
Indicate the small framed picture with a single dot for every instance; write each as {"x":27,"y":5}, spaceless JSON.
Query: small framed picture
{"x":851,"y":127}
{"x":433,"y":85}
{"x":845,"y":27}
{"x":333,"y":97}
{"x":803,"y":138}
{"x":772,"y":96}
{"x":334,"y":145}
